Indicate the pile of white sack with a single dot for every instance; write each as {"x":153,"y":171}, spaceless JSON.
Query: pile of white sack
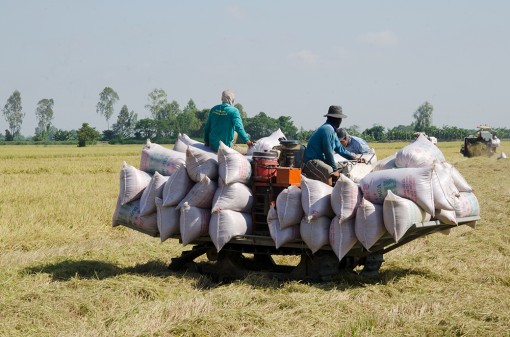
{"x":191,"y":191}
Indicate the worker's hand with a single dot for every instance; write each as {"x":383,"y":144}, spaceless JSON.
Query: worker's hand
{"x":250,"y":143}
{"x":335,"y":174}
{"x":361,"y":160}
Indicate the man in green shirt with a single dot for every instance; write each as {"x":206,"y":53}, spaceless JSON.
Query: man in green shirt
{"x":222,"y":121}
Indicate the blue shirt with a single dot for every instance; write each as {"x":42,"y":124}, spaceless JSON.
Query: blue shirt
{"x":358,"y":145}
{"x":222,"y":121}
{"x":323,"y":144}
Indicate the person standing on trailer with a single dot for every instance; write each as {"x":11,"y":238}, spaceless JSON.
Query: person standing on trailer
{"x":223,"y":122}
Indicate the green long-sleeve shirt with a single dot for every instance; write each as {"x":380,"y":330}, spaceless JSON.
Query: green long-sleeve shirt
{"x":221,"y":123}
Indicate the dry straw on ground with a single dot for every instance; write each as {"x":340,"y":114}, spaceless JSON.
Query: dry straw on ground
{"x":65,"y":272}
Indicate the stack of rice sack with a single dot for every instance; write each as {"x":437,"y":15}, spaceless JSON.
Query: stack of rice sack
{"x":141,"y":188}
{"x":412,"y":186}
{"x":192,"y":193}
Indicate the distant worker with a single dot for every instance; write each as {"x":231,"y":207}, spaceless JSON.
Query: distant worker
{"x":223,"y":122}
{"x":319,"y":162}
{"x":494,"y":143}
{"x":352,"y":144}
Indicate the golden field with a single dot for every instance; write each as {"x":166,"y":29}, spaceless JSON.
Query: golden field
{"x":64,"y":271}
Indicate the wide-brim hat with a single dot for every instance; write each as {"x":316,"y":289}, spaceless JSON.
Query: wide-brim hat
{"x":335,"y":111}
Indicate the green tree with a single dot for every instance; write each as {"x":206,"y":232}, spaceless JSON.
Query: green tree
{"x":423,"y":117}
{"x":126,"y":122}
{"x":87,"y":135}
{"x":146,"y":128}
{"x":107,"y":99}
{"x":13,"y":112}
{"x":243,"y":114}
{"x":44,"y":116}
{"x":287,"y":126}
{"x":376,"y":133}
{"x":261,"y":125}
{"x":187,"y":121}
{"x":63,"y":135}
{"x":157,"y":103}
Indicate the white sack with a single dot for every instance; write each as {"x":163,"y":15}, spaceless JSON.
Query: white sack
{"x":420,"y":153}
{"x":315,"y":233}
{"x":280,"y":235}
{"x":345,"y":197}
{"x":233,"y":167}
{"x":158,"y":158}
{"x":129,"y":215}
{"x":387,"y":163}
{"x":289,"y":208}
{"x":265,"y":144}
{"x":183,"y":141}
{"x":201,"y":194}
{"x":200,"y":162}
{"x":168,"y":220}
{"x":194,"y":223}
{"x":459,"y":180}
{"x":177,"y":186}
{"x":400,"y":214}
{"x":316,"y":198}
{"x":224,"y":225}
{"x":466,"y":205}
{"x":132,"y":183}
{"x":411,"y":183}
{"x":369,"y":223}
{"x":446,"y":216}
{"x":443,"y":187}
{"x":342,"y":236}
{"x":152,"y":191}
{"x":235,"y":197}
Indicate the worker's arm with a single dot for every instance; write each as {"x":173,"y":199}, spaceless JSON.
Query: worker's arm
{"x":238,"y":127}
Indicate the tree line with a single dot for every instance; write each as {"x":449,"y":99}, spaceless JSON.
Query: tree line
{"x":167,"y":120}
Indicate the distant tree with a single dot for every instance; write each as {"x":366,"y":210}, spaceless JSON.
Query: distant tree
{"x":13,"y":112}
{"x":107,"y":99}
{"x":304,"y":135}
{"x":157,"y":102}
{"x":354,"y":130}
{"x":375,"y":133}
{"x":126,"y":122}
{"x":286,"y":125}
{"x":187,"y":121}
{"x":8,"y":136}
{"x":63,"y":135}
{"x":146,"y":128}
{"x":423,"y":117}
{"x":44,"y":116}
{"x":261,"y":125}
{"x":87,"y":135}
{"x":243,"y":114}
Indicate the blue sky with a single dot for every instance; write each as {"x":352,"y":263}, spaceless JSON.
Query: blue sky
{"x":379,"y":60}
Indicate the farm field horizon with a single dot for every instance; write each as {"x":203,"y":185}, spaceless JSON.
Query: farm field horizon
{"x":65,"y":271}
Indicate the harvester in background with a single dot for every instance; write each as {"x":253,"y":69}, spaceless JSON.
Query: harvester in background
{"x":483,"y":143}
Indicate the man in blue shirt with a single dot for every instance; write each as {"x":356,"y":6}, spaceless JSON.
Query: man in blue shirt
{"x":352,"y":143}
{"x":319,"y":162}
{"x":222,"y":121}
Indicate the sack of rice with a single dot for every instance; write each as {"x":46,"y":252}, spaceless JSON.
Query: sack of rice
{"x":201,"y":194}
{"x":176,"y":187}
{"x":152,"y":191}
{"x":129,"y":215}
{"x":224,"y":225}
{"x":183,"y":141}
{"x":235,"y":197}
{"x":266,"y":144}
{"x":158,"y":158}
{"x":316,"y":198}
{"x":194,"y":223}
{"x":412,"y":183}
{"x":387,"y":163}
{"x":369,"y":223}
{"x":420,"y":153}
{"x":345,"y":197}
{"x":342,"y":236}
{"x":443,"y":187}
{"x":466,"y":205}
{"x":459,"y":180}
{"x":233,"y":167}
{"x":132,"y":183}
{"x":446,"y":216}
{"x":280,"y":235}
{"x":315,"y":232}
{"x":399,"y":214}
{"x":167,"y":219}
{"x":200,"y":162}
{"x":288,"y":207}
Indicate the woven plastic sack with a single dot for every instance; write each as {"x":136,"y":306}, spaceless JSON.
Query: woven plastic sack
{"x":129,"y":215}
{"x":289,"y":208}
{"x":201,"y":194}
{"x":224,"y":225}
{"x":280,"y":235}
{"x":265,"y":144}
{"x":420,"y":153}
{"x":467,"y":205}
{"x":200,"y":163}
{"x":342,"y":236}
{"x":315,"y":232}
{"x":168,"y":220}
{"x":316,"y":199}
{"x":233,"y":167}
{"x":156,"y":158}
{"x":345,"y":197}
{"x":152,"y":191}
{"x":235,"y":197}
{"x":132,"y":183}
{"x":369,"y":223}
{"x":194,"y":223}
{"x":177,"y":187}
